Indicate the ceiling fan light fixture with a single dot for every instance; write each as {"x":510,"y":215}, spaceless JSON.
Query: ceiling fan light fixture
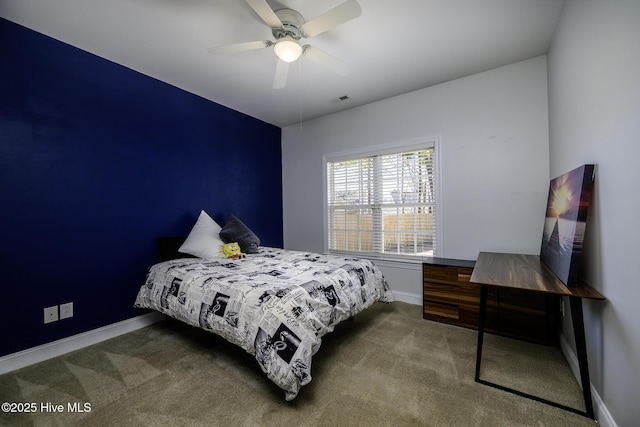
{"x":287,"y":49}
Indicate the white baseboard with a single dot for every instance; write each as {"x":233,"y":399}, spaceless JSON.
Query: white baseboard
{"x":600,"y":410}
{"x":43,"y":352}
{"x":407,"y":297}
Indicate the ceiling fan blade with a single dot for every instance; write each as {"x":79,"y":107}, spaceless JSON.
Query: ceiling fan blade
{"x":264,"y":11}
{"x":282,"y":70}
{"x":332,"y":18}
{"x":239,"y":47}
{"x":326,"y":60}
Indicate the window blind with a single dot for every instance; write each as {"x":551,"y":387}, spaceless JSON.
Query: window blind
{"x":383,"y":203}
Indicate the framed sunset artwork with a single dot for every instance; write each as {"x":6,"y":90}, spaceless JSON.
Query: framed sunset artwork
{"x":565,"y":222}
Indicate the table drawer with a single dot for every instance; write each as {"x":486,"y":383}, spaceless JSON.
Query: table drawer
{"x":446,"y":274}
{"x":439,"y":309}
{"x":440,"y":273}
{"x":446,"y":294}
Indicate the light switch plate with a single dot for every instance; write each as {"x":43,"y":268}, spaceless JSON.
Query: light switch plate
{"x":66,"y":310}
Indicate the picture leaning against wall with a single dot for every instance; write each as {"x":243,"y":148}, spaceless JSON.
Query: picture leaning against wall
{"x":565,"y":222}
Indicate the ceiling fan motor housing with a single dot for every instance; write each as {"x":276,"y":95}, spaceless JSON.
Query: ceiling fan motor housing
{"x":291,"y":23}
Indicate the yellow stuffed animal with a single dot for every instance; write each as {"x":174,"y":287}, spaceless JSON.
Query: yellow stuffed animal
{"x":232,"y":250}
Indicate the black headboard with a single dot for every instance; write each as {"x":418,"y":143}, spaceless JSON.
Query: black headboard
{"x":168,"y":248}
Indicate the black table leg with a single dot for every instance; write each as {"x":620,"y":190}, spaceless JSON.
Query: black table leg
{"x":581,"y":348}
{"x":578,"y":328}
{"x":483,"y":315}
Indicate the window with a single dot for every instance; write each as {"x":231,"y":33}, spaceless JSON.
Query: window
{"x":383,"y":203}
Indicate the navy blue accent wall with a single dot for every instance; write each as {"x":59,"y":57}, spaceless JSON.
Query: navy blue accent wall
{"x":96,"y":161}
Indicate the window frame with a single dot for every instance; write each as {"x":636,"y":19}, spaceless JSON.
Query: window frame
{"x":389,"y":148}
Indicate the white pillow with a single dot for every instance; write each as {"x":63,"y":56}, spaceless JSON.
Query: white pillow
{"x":204,"y":240}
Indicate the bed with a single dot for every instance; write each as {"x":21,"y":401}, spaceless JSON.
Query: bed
{"x":275,"y":304}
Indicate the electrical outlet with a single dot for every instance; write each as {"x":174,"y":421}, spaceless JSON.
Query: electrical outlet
{"x":51,"y":314}
{"x":66,"y":310}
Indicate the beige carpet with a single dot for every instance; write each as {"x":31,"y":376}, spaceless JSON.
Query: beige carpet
{"x":387,"y":367}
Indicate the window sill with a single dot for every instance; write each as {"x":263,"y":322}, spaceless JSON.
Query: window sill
{"x":397,"y":259}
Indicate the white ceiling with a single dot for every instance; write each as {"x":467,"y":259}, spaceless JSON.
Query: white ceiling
{"x":394,"y":47}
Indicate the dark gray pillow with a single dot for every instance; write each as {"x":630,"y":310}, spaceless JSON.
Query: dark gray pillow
{"x":235,"y":231}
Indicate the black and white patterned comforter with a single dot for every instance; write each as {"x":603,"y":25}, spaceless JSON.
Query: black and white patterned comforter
{"x":276,"y":304}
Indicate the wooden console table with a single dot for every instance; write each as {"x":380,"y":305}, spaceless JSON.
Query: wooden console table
{"x":449,"y":297}
{"x":529,"y":273}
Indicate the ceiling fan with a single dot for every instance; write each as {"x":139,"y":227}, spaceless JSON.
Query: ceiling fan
{"x":288,"y":27}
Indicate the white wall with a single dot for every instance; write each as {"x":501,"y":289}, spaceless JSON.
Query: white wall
{"x":594,"y":115}
{"x":495,"y":163}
